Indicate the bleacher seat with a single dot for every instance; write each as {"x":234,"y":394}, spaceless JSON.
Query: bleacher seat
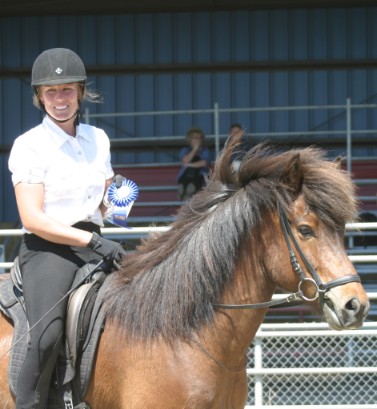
{"x":364,"y":173}
{"x":158,"y":188}
{"x":158,"y":191}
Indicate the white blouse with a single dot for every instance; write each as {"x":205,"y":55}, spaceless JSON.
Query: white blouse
{"x":73,"y":170}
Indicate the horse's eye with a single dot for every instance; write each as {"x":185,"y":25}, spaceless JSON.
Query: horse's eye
{"x":306,"y":231}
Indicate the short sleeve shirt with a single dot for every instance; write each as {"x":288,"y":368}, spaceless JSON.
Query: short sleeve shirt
{"x":73,"y":170}
{"x":203,"y":153}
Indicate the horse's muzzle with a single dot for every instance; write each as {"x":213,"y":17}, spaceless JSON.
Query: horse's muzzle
{"x":343,"y":313}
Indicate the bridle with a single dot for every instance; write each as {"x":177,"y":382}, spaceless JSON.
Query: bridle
{"x":320,"y":287}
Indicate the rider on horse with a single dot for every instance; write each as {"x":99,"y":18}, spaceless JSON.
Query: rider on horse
{"x":60,"y":172}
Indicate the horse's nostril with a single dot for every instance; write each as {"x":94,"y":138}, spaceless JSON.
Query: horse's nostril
{"x":353,"y":305}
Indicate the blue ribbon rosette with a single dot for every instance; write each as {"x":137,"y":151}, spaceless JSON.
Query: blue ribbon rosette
{"x":119,"y":198}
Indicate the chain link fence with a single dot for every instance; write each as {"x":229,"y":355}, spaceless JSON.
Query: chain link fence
{"x":308,"y":365}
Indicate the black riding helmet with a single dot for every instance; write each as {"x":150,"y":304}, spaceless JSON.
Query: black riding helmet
{"x":57,"y":66}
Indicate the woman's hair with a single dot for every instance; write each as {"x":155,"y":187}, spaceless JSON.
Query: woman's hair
{"x":190,"y":133}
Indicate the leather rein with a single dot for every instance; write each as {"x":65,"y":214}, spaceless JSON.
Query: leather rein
{"x":321,"y":288}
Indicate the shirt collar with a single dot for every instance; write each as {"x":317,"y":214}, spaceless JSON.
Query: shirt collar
{"x":81,"y":132}
{"x":58,"y":135}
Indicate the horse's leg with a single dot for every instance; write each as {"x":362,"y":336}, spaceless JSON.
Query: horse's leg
{"x":6,"y":333}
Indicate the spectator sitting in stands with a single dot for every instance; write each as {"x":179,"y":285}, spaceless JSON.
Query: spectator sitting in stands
{"x":195,"y":159}
{"x":236,"y":158}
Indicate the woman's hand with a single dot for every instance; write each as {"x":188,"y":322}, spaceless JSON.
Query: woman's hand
{"x":196,"y":144}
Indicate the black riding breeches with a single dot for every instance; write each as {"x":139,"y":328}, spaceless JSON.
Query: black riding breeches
{"x":48,"y":271}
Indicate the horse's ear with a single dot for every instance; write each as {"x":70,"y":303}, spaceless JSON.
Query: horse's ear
{"x":223,"y":170}
{"x":338,"y":162}
{"x":293,"y":175}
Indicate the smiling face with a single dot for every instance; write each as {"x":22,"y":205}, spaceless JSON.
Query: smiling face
{"x":61,"y":103}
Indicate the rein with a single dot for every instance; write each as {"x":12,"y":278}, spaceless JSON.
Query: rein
{"x":321,"y":288}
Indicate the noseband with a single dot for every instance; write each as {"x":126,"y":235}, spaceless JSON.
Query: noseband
{"x":320,"y":287}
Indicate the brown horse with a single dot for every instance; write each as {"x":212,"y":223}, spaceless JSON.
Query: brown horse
{"x":166,"y":344}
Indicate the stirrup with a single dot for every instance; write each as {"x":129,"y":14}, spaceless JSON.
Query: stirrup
{"x":82,"y":405}
{"x":68,"y":402}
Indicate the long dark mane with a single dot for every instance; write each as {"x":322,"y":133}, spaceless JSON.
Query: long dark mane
{"x":167,"y":286}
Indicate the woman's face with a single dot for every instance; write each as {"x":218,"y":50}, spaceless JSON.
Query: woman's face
{"x":61,"y":102}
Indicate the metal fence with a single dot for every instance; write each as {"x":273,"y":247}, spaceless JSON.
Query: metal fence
{"x":138,"y":232}
{"x":308,"y":365}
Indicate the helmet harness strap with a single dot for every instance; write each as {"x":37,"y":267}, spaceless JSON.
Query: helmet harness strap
{"x":62,"y":121}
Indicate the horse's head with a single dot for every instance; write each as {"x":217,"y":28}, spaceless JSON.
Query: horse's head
{"x":302,"y":202}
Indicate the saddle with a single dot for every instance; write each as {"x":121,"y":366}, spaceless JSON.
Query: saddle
{"x":84,"y":324}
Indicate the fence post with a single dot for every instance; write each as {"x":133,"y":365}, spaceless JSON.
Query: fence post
{"x":217,"y":129}
{"x":349,"y":140}
{"x":258,"y":388}
{"x":2,"y":257}
{"x":86,"y":116}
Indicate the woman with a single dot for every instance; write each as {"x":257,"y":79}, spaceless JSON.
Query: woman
{"x":60,"y":171}
{"x":195,"y":159}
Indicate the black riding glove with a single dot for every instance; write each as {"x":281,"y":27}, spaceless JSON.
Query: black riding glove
{"x":118,"y":180}
{"x":108,"y":249}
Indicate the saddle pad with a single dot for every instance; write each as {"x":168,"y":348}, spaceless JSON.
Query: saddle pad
{"x":10,"y":306}
{"x":8,"y":296}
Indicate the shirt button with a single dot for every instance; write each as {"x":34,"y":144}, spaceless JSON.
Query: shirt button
{"x":90,"y":196}
{"x":79,"y":152}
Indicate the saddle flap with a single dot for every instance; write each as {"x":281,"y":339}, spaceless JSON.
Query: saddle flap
{"x":79,"y":314}
{"x":75,"y":305}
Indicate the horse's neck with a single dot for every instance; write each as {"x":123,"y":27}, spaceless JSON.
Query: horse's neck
{"x":235,"y":328}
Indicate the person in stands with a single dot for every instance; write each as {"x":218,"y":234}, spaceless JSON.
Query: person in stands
{"x":60,"y":172}
{"x":195,"y":159}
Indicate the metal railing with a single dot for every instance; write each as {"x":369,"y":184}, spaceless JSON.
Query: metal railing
{"x":138,"y":232}
{"x":346,"y":110}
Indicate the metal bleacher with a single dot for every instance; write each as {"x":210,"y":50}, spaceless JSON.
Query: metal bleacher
{"x":157,"y":202}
